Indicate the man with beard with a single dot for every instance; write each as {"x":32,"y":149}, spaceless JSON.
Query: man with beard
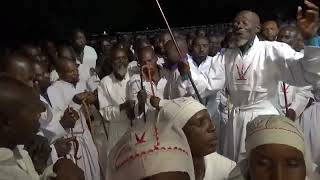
{"x":86,"y":55}
{"x":270,"y":30}
{"x":114,"y":106}
{"x":251,"y":73}
{"x":70,"y":93}
{"x":297,"y":97}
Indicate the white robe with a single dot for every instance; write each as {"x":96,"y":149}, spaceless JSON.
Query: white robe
{"x":217,"y":167}
{"x":253,"y":85}
{"x":168,"y":87}
{"x":310,"y":124}
{"x":61,"y":94}
{"x":88,"y":65}
{"x":298,"y":98}
{"x":112,"y":93}
{"x":17,"y":165}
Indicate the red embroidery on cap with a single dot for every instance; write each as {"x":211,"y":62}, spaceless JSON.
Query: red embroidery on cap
{"x":140,"y":140}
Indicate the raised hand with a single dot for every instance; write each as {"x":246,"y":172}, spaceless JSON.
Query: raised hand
{"x":308,"y":20}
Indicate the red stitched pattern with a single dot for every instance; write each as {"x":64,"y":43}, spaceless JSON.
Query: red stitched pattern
{"x":151,"y":150}
{"x":140,"y":140}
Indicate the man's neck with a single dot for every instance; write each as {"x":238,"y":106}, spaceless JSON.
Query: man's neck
{"x":199,"y":167}
{"x":199,"y":61}
{"x":247,"y":46}
{"x":118,"y":77}
{"x":170,"y":66}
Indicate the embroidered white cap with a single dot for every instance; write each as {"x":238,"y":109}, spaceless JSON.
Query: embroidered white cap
{"x":150,"y":148}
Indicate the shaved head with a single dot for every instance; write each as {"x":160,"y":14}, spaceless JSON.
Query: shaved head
{"x":246,"y":25}
{"x":19,"y":67}
{"x":146,"y":50}
{"x":20,"y":109}
{"x":251,"y":15}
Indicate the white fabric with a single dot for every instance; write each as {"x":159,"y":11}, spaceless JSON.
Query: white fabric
{"x":181,"y":110}
{"x":111,"y":94}
{"x":61,"y":94}
{"x":215,"y":103}
{"x":298,"y":98}
{"x":167,"y":88}
{"x":88,"y":64}
{"x":263,"y":66}
{"x":310,"y":124}
{"x":16,"y":164}
{"x":217,"y":167}
{"x":50,"y":123}
{"x":150,"y":148}
{"x":54,"y":76}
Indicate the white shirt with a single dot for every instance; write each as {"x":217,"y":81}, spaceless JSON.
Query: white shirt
{"x":217,"y":167}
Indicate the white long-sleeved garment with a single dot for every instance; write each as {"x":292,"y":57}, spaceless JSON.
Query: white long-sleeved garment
{"x":252,"y":79}
{"x":111,"y":94}
{"x":61,"y":94}
{"x":16,"y":164}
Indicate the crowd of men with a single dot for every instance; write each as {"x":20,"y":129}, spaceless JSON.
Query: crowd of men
{"x":195,"y":106}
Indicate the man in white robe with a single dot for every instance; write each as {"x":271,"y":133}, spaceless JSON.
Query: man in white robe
{"x":297,"y":97}
{"x":68,"y":94}
{"x":113,"y":101}
{"x":252,"y":72}
{"x":202,"y":60}
{"x":162,"y":81}
{"x":86,"y":55}
{"x":15,"y":162}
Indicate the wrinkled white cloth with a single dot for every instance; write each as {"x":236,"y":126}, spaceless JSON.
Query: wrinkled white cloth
{"x":16,"y":164}
{"x":310,"y":124}
{"x":252,"y":80}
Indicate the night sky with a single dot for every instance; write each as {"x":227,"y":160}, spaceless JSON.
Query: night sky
{"x":37,"y":19}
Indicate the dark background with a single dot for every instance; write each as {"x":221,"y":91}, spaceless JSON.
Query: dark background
{"x":38,"y":19}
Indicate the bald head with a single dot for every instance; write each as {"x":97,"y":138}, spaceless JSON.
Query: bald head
{"x":68,"y":70}
{"x":20,"y":109}
{"x":252,"y":16}
{"x":245,"y":27}
{"x":147,"y":56}
{"x":19,"y":67}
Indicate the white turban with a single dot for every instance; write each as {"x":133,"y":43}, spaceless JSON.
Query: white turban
{"x":150,"y":148}
{"x":180,"y":110}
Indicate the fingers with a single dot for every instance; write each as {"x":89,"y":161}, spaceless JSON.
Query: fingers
{"x":311,"y":6}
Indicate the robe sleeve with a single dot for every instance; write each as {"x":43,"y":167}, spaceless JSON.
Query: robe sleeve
{"x":293,"y":67}
{"x":302,"y":96}
{"x":107,"y":110}
{"x":210,"y":83}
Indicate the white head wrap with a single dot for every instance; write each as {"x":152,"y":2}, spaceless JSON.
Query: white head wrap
{"x":180,"y":110}
{"x":150,"y":148}
{"x":272,"y":129}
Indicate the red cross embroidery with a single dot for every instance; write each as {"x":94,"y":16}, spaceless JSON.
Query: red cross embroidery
{"x":242,"y":73}
{"x":140,"y":140}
